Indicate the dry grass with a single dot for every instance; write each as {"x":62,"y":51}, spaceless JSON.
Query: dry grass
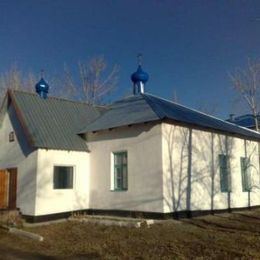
{"x":225,"y":236}
{"x":11,"y":218}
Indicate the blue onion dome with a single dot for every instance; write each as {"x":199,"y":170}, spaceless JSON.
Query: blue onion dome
{"x":139,"y":76}
{"x":42,"y":88}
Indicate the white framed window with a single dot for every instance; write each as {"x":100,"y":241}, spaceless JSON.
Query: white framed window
{"x":245,"y":173}
{"x":119,"y":177}
{"x":63,"y":177}
{"x":225,"y":174}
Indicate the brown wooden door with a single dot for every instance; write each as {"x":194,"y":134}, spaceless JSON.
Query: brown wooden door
{"x":12,"y":188}
{"x":3,"y":189}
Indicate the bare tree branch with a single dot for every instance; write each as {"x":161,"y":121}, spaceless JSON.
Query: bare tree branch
{"x":93,"y":82}
{"x":15,"y":79}
{"x":246,"y":82}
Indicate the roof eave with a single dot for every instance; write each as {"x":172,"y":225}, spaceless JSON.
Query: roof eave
{"x":120,"y":126}
{"x":209,"y":129}
{"x":21,"y":119}
{"x":3,"y":107}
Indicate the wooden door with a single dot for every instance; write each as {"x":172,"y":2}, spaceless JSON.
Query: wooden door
{"x":12,"y":188}
{"x":3,"y":189}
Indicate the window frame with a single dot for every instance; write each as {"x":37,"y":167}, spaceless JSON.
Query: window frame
{"x":11,"y":136}
{"x":224,"y":173}
{"x":245,"y":174}
{"x":118,"y":169}
{"x":73,"y":176}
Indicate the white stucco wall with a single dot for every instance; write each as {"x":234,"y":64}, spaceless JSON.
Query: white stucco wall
{"x":18,"y":154}
{"x":158,"y":159}
{"x":205,"y":177}
{"x":50,"y":200}
{"x":35,"y":193}
{"x":144,"y":150}
{"x":175,"y":165}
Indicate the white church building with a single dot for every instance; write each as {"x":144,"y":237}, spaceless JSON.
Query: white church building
{"x":140,"y":156}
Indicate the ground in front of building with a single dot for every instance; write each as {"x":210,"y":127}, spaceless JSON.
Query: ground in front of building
{"x":233,"y":235}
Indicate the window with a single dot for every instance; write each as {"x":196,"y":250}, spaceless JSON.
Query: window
{"x":245,"y":173}
{"x":120,"y":171}
{"x":224,"y":169}
{"x":11,"y":136}
{"x":63,"y":177}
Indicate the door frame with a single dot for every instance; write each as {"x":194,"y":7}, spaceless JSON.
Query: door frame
{"x":10,"y":187}
{"x":4,"y":190}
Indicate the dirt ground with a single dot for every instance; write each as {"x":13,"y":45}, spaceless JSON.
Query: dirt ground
{"x":224,"y":236}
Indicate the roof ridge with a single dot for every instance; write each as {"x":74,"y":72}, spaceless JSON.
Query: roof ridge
{"x":202,"y":113}
{"x":124,"y":99}
{"x":245,"y":115}
{"x":58,"y":98}
{"x":178,"y":104}
{"x":148,"y":101}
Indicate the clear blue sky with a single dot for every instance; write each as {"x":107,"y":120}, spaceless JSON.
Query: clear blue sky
{"x":188,"y":46}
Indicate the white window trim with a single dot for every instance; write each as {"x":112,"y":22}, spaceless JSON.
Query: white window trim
{"x":112,"y":168}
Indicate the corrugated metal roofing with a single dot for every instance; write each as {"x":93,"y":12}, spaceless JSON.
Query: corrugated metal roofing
{"x":54,"y":123}
{"x":146,"y":107}
{"x":128,"y":111}
{"x":245,"y":120}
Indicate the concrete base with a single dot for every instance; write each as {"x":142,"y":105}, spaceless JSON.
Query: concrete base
{"x":114,"y":221}
{"x":132,"y":214}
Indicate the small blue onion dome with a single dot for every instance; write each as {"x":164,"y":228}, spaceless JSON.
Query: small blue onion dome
{"x":139,"y":76}
{"x":42,"y":88}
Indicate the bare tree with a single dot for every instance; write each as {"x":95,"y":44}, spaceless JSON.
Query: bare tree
{"x":15,"y":79}
{"x":91,"y":82}
{"x":246,"y":83}
{"x":94,"y":82}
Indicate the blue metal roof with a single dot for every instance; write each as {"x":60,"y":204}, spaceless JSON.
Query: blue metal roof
{"x":247,"y":120}
{"x":146,"y":108}
{"x":132,"y":110}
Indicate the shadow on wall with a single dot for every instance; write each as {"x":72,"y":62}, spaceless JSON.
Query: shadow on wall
{"x":253,"y":184}
{"x":19,"y":132}
{"x":177,"y":176}
{"x":26,"y":193}
{"x":14,"y":153}
{"x":197,"y":165}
